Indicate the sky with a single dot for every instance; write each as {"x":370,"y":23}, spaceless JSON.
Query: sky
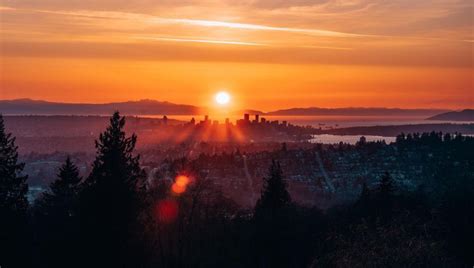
{"x":268,"y":54}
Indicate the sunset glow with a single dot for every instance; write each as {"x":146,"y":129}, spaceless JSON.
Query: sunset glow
{"x":273,"y":54}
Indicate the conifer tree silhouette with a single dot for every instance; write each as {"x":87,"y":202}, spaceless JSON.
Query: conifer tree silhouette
{"x":111,"y":196}
{"x":13,"y":202}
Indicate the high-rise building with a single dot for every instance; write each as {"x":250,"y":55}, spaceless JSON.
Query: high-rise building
{"x":247,"y":117}
{"x":257,"y":118}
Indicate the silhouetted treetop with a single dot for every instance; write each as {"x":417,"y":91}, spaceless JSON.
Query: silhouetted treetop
{"x":13,"y":186}
{"x":115,"y":162}
{"x":386,"y":186}
{"x":275,"y":195}
{"x":13,"y":204}
{"x":62,"y":198}
{"x":69,"y":178}
{"x":112,"y":196}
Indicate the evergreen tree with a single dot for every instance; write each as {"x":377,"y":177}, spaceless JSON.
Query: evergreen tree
{"x":111,"y":196}
{"x":365,"y":205}
{"x":57,"y":221}
{"x":13,"y":186}
{"x":13,"y":201}
{"x":365,"y":196}
{"x":386,"y":187}
{"x":274,"y":195}
{"x":62,"y":198}
{"x":384,"y":200}
{"x":272,"y":219}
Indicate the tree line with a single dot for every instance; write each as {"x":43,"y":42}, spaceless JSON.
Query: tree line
{"x":116,"y":217}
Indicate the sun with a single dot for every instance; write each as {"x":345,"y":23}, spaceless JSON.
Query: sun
{"x":222,"y":98}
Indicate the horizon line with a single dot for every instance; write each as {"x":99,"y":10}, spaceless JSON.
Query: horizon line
{"x":244,"y":109}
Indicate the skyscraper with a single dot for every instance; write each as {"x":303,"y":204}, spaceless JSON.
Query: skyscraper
{"x":247,"y":117}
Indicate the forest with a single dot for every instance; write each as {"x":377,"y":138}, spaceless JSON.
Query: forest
{"x":116,"y":217}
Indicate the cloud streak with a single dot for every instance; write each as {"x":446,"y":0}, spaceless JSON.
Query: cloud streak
{"x":206,"y":41}
{"x":192,"y":22}
{"x":247,"y":26}
{"x":146,"y":19}
{"x":310,"y":50}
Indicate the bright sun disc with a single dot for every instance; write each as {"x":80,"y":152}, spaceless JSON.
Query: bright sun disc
{"x":222,"y":98}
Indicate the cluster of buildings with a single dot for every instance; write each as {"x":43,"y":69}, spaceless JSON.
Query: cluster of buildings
{"x":246,"y":121}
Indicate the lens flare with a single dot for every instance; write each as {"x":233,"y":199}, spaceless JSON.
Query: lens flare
{"x":177,"y":189}
{"x":167,"y":211}
{"x":180,"y":184}
{"x":182,"y":181}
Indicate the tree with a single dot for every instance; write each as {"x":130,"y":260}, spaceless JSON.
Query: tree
{"x":386,"y":187}
{"x":362,"y":141}
{"x":384,"y":199}
{"x":273,"y":224}
{"x":62,"y":198}
{"x":13,"y":186}
{"x":364,"y":197}
{"x":13,"y":201}
{"x":274,"y":195}
{"x":57,"y":221}
{"x":111,"y":196}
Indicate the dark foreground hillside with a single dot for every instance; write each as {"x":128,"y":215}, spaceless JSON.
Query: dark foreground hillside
{"x":117,"y":216}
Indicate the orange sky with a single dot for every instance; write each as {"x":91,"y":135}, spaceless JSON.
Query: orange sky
{"x":268,"y":54}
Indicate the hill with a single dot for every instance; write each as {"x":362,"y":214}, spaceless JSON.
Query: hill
{"x":154,"y":107}
{"x":394,"y":130}
{"x":141,"y":107}
{"x":358,"y":111}
{"x":464,"y":115}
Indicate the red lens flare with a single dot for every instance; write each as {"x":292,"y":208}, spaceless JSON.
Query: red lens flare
{"x":167,"y":211}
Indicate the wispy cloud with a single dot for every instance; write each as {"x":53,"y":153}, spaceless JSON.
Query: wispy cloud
{"x":247,"y":26}
{"x":2,"y":8}
{"x":230,"y":42}
{"x":192,"y":22}
{"x":328,"y":47}
{"x":207,"y":41}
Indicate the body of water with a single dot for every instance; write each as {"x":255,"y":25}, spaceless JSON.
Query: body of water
{"x":350,"y":139}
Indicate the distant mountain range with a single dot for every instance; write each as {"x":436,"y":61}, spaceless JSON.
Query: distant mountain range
{"x":141,"y":107}
{"x":358,"y":111}
{"x":153,"y":107}
{"x":464,"y":115}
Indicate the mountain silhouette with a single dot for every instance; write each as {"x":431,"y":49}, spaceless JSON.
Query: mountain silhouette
{"x":154,"y":107}
{"x":141,"y":107}
{"x":464,"y":115}
{"x":357,"y":111}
